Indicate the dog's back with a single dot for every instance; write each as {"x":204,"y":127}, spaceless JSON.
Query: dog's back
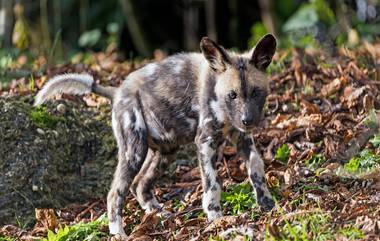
{"x":168,"y":93}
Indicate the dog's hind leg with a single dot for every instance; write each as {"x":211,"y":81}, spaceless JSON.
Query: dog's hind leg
{"x":131,"y":136}
{"x":142,"y":186}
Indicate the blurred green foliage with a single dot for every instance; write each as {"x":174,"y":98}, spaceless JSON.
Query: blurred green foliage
{"x":302,"y":28}
{"x":95,"y":25}
{"x":95,"y":37}
{"x":305,"y":17}
{"x":89,"y":38}
{"x":258,"y":30}
{"x":320,"y":23}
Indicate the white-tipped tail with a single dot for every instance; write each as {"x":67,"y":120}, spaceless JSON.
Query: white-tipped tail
{"x":75,"y":84}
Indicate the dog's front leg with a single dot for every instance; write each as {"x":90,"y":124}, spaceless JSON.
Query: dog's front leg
{"x":208,"y":143}
{"x":256,"y":174}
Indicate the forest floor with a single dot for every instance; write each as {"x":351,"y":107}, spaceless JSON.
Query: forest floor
{"x":318,"y":139}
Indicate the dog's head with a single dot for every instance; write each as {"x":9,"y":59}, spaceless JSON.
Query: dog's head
{"x":241,"y":84}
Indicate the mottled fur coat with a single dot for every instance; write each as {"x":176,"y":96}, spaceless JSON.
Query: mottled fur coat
{"x":207,"y":98}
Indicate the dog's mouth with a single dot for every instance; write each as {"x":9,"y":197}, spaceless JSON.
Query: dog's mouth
{"x":246,"y":129}
{"x":249,"y":128}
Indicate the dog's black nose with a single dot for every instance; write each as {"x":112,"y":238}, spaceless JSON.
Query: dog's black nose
{"x":247,"y":121}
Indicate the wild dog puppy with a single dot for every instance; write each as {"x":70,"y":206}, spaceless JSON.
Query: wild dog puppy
{"x":207,"y":97}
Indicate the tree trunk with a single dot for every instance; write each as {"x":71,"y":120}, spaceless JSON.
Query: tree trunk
{"x":57,"y":49}
{"x":190,"y":26}
{"x":46,"y":41}
{"x":210,"y":19}
{"x":57,"y":16}
{"x":83,"y":12}
{"x":267,"y":15}
{"x":135,"y":29}
{"x":6,"y":22}
{"x":233,"y":23}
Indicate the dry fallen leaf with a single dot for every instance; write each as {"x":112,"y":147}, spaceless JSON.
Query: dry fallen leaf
{"x":47,"y":217}
{"x":223,"y":223}
{"x":148,"y":224}
{"x":300,"y":121}
{"x":331,"y":88}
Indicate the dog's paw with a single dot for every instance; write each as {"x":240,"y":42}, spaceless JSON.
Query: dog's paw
{"x":116,"y":227}
{"x":212,"y":215}
{"x":119,"y":237}
{"x":266,"y":204}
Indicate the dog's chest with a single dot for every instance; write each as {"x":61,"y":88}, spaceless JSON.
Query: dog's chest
{"x":231,"y":135}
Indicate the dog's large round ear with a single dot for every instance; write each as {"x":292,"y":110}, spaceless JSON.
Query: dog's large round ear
{"x":215,"y":54}
{"x":264,"y":51}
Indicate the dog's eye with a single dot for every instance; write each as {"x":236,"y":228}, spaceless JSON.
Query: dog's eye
{"x":232,"y":94}
{"x":256,"y":92}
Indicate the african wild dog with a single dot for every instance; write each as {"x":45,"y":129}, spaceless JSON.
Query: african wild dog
{"x":213,"y":97}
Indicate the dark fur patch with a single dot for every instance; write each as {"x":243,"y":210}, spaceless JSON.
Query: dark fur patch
{"x":266,"y":204}
{"x":241,"y":65}
{"x":259,"y":192}
{"x":213,"y":207}
{"x":244,"y":146}
{"x":257,"y":180}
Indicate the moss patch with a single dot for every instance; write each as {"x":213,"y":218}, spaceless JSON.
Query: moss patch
{"x":73,"y":160}
{"x":43,"y":119}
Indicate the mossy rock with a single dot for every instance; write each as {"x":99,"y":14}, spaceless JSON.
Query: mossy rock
{"x":49,"y":158}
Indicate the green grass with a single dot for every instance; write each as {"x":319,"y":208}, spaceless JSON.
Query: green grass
{"x":6,"y":61}
{"x":239,"y":198}
{"x":277,"y":66}
{"x":43,"y":119}
{"x":315,"y":161}
{"x":282,"y":153}
{"x":178,"y":205}
{"x":366,"y":161}
{"x":371,"y":121}
{"x":351,"y":233}
{"x":4,"y":238}
{"x":375,"y":140}
{"x":311,"y":225}
{"x":81,"y":231}
{"x":308,"y":89}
